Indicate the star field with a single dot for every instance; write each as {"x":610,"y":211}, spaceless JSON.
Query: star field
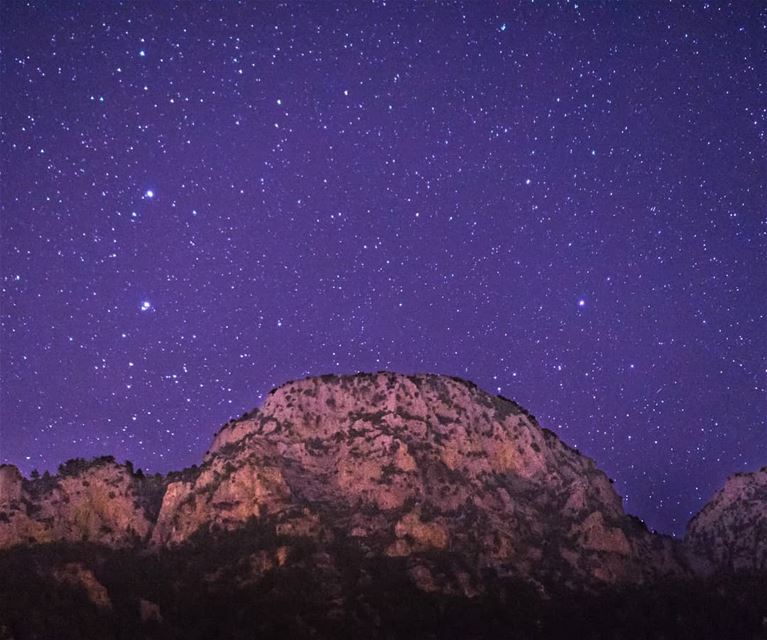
{"x":562,"y":202}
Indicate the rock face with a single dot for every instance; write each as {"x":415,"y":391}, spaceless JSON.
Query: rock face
{"x":88,"y":501}
{"x":378,"y":506}
{"x":11,"y":485}
{"x":731,"y":530}
{"x":416,"y":464}
{"x":425,"y":469}
{"x":76,"y":574}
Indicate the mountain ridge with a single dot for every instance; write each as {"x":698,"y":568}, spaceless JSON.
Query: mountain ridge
{"x":358,"y":502}
{"x":444,"y":414}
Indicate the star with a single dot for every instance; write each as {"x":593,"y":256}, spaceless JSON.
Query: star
{"x":329,"y":216}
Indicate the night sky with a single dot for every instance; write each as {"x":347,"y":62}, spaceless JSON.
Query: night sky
{"x":562,"y":202}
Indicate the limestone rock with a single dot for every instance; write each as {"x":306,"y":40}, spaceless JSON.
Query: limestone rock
{"x":410,"y":467}
{"x":407,"y":464}
{"x":731,"y":530}
{"x":11,"y":482}
{"x":94,"y":501}
{"x":77,"y":575}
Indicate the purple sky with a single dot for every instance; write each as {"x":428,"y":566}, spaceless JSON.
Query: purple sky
{"x":563,"y":202}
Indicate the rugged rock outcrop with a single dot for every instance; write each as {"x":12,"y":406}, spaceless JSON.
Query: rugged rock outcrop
{"x":77,"y":575}
{"x":95,"y":501}
{"x":731,"y":530}
{"x":426,"y":470}
{"x":376,"y":505}
{"x":409,"y":465}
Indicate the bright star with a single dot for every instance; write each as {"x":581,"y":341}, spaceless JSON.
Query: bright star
{"x":581,"y":303}
{"x":146,"y":305}
{"x":142,"y":53}
{"x":149,"y":194}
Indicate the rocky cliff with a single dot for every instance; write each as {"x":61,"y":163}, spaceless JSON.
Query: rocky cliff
{"x":407,"y":466}
{"x":426,"y":468}
{"x":97,"y":501}
{"x":731,"y":530}
{"x":415,"y":464}
{"x":376,"y":505}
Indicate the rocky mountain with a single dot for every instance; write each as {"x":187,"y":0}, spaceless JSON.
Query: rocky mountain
{"x":96,"y":501}
{"x":403,"y":464}
{"x":410,"y":464}
{"x":362,"y":504}
{"x":731,"y":530}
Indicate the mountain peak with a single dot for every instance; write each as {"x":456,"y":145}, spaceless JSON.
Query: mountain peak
{"x":424,"y":468}
{"x":338,"y":397}
{"x":731,"y":529}
{"x":405,"y":462}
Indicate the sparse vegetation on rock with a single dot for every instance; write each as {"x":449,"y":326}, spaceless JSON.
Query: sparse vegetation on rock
{"x":380,"y":505}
